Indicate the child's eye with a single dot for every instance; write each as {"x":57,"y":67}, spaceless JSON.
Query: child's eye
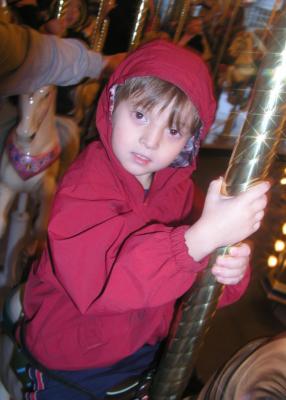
{"x":174,"y":132}
{"x":139,"y":115}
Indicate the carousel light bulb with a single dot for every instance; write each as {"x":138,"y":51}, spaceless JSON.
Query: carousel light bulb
{"x":283,"y":181}
{"x":284,"y":228}
{"x":279,"y":245}
{"x":272,"y":261}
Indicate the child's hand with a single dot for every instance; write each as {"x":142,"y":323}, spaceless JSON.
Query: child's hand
{"x":232,"y":219}
{"x":231,"y":268}
{"x":226,"y":221}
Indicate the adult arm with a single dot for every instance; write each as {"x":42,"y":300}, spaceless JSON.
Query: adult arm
{"x":30,"y":60}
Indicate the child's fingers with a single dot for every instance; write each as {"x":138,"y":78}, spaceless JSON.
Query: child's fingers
{"x":214,"y":188}
{"x":258,"y":204}
{"x":259,"y":216}
{"x":256,"y":226}
{"x":230,"y":269}
{"x":229,"y":281}
{"x":228,"y":276}
{"x":240,"y":250}
{"x":257,"y":220}
{"x":257,"y":190}
{"x":228,"y":272}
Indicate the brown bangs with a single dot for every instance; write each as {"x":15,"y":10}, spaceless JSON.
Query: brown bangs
{"x":148,"y":92}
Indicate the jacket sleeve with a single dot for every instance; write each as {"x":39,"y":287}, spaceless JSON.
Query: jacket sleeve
{"x":42,"y":60}
{"x":101,"y":264}
{"x":154,"y":268}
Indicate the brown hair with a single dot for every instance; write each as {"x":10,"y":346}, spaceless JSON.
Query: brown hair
{"x":146,"y":92}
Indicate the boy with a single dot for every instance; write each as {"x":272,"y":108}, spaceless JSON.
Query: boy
{"x":120,"y":249}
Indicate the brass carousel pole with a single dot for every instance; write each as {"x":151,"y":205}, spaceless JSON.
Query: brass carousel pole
{"x":99,"y":30}
{"x":250,"y":163}
{"x":185,"y":13}
{"x":5,"y":14}
{"x":102,"y":35}
{"x":139,"y":24}
{"x":61,"y":8}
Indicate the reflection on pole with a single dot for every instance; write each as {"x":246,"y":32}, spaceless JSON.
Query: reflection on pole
{"x":61,"y":8}
{"x":139,"y":24}
{"x":96,"y":41}
{"x":250,"y":163}
{"x":102,"y":35}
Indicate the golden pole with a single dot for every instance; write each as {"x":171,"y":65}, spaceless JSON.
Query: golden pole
{"x":139,"y":24}
{"x":98,"y":26}
{"x":250,"y":163}
{"x":5,"y":14}
{"x":61,"y":8}
{"x":102,"y":35}
{"x":185,"y":13}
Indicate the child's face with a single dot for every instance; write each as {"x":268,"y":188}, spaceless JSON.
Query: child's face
{"x":143,"y":142}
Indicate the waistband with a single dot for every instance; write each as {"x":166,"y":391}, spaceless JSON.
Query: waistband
{"x":133,"y":388}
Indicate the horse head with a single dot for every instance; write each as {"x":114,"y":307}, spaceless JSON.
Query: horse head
{"x":37,"y":119}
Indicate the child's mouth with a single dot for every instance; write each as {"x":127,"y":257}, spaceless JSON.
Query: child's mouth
{"x":140,"y":159}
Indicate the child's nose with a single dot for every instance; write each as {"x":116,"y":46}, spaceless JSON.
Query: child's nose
{"x":151,"y":138}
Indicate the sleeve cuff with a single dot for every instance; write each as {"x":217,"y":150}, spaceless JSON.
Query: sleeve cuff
{"x":180,"y":251}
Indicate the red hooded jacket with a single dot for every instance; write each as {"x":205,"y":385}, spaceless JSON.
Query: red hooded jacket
{"x":119,"y":261}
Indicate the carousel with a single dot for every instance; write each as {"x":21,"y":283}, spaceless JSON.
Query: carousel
{"x":244,"y":45}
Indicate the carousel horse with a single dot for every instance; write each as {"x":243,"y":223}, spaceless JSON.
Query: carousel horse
{"x":255,"y":372}
{"x":37,"y":152}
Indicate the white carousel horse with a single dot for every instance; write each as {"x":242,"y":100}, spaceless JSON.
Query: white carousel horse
{"x":37,"y":151}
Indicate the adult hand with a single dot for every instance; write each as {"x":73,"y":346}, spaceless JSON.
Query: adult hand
{"x":112,"y":61}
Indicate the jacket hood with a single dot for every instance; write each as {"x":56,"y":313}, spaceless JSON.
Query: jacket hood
{"x":166,"y":61}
